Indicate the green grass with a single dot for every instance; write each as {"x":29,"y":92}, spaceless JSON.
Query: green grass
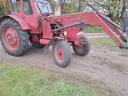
{"x":23,"y":80}
{"x":1,"y":12}
{"x":93,"y":29}
{"x":103,"y":41}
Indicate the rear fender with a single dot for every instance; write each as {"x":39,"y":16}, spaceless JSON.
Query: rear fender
{"x":19,"y":20}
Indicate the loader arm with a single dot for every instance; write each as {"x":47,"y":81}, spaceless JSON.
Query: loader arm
{"x":94,"y":18}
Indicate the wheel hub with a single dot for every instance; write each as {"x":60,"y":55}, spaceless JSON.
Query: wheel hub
{"x":10,"y":38}
{"x":60,"y":53}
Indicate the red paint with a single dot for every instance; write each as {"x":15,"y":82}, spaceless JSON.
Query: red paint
{"x":10,"y":39}
{"x":21,"y":21}
{"x":45,"y":41}
{"x":47,"y":31}
{"x":59,"y":53}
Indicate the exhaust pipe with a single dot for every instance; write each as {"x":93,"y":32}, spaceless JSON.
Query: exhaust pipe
{"x":57,"y":8}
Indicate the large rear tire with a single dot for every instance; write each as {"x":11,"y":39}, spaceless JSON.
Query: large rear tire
{"x":84,"y":48}
{"x":62,"y":53}
{"x":15,"y":41}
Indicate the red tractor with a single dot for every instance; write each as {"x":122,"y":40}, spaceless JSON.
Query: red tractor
{"x":32,"y":22}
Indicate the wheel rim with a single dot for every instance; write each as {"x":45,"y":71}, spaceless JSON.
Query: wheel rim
{"x":59,"y":53}
{"x":10,"y":38}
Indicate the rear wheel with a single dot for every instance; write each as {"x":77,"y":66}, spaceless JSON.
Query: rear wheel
{"x":62,"y":53}
{"x":15,"y":41}
{"x":84,"y":48}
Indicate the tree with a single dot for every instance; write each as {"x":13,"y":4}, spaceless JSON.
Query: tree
{"x":71,"y":6}
{"x":4,"y":6}
{"x":113,"y":8}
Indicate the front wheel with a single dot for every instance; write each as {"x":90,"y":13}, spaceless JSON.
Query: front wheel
{"x":62,"y":53}
{"x":84,"y":48}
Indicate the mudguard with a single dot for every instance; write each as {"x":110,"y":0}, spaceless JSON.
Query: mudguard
{"x":19,"y":20}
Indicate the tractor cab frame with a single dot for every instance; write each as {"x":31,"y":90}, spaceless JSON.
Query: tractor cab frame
{"x":27,"y":6}
{"x":26,"y":12}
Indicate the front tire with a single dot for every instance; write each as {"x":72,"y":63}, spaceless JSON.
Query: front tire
{"x":14,"y":40}
{"x":84,"y":48}
{"x":62,"y":53}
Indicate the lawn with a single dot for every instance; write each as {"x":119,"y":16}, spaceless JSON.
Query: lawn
{"x":103,"y":41}
{"x":23,"y":80}
{"x":93,"y":29}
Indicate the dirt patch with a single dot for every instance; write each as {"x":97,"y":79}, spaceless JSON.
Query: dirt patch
{"x":103,"y":64}
{"x":110,"y":64}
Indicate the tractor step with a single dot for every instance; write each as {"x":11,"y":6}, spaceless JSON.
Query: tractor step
{"x":44,"y":41}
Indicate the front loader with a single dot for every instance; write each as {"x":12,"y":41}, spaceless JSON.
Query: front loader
{"x":32,"y":23}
